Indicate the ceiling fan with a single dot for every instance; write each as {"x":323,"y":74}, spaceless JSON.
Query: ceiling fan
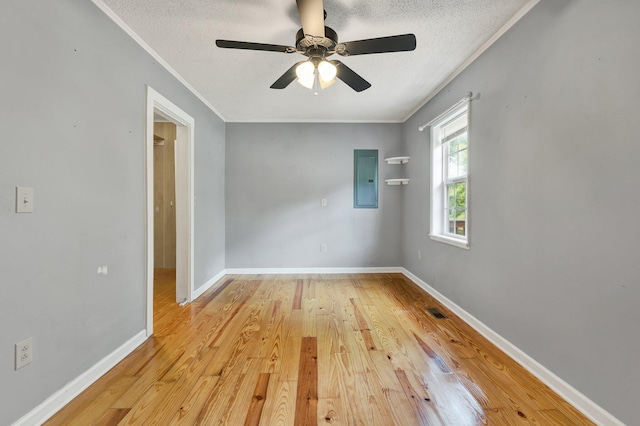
{"x":317,"y":42}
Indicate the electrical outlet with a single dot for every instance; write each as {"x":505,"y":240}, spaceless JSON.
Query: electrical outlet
{"x":323,"y":202}
{"x":419,"y":255}
{"x":24,"y":353}
{"x":323,"y":247}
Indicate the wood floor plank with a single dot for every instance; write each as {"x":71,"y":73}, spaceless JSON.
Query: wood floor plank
{"x":291,"y":351}
{"x":420,"y":400}
{"x":192,"y":405}
{"x":309,"y":318}
{"x":146,"y":380}
{"x":392,"y":390}
{"x":257,"y":401}
{"x":329,"y":343}
{"x":357,"y":397}
{"x":90,"y":406}
{"x":229,"y":319}
{"x":209,"y":297}
{"x":314,"y":349}
{"x":144,"y":407}
{"x":173,"y":400}
{"x":236,"y":396}
{"x":310,"y":288}
{"x":332,"y":411}
{"x":307,"y":394}
{"x":279,"y":408}
{"x":363,"y":327}
{"x":557,"y":417}
{"x":111,"y":417}
{"x":297,"y":298}
{"x":240,"y":338}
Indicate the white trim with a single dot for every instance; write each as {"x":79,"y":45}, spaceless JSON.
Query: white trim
{"x":346,"y":270}
{"x":486,"y":45}
{"x":209,"y":284}
{"x":184,"y":207}
{"x":156,"y":103}
{"x":574,"y":397}
{"x":314,"y":120}
{"x":127,"y":29}
{"x":62,"y":397}
{"x":449,"y":240}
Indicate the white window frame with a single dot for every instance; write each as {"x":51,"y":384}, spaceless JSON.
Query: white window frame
{"x":438,"y":229}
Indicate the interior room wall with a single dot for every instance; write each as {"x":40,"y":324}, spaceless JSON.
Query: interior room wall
{"x":164,"y":196}
{"x":553,"y":264}
{"x":277,"y":175}
{"x":72,"y":110}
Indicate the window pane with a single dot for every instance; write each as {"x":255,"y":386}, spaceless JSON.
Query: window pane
{"x":456,"y":150}
{"x":462,"y":163}
{"x":460,"y":196}
{"x":452,"y":167}
{"x":462,"y":155}
{"x":459,"y":143}
{"x":451,"y":197}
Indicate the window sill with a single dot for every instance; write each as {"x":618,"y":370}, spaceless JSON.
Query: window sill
{"x":452,"y":241}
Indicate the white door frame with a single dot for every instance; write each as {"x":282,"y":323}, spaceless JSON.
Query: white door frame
{"x":184,"y":147}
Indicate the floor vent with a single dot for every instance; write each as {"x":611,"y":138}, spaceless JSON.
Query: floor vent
{"x":436,"y":313}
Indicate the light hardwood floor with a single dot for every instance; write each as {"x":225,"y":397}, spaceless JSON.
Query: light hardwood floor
{"x":314,"y":349}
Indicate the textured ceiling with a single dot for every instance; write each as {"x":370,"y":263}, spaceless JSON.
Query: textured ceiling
{"x":236,"y":82}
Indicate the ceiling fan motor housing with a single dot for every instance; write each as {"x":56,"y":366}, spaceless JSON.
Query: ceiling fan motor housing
{"x":315,"y":46}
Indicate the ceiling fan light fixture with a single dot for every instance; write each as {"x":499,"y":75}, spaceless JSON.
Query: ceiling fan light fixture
{"x":316,"y":74}
{"x":306,"y":74}
{"x":327,"y":71}
{"x":325,"y":84}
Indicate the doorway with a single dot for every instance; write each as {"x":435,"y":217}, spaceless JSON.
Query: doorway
{"x":164,"y":216}
{"x":160,"y":108}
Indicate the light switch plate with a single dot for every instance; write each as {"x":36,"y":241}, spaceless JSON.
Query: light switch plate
{"x":24,"y":199}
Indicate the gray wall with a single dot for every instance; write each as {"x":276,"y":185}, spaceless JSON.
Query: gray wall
{"x":553,"y":265}
{"x":72,"y":113}
{"x":277,"y":175}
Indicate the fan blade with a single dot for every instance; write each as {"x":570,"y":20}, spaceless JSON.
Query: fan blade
{"x":230,"y":44}
{"x":312,"y":17}
{"x":350,"y":77}
{"x":397,"y":43}
{"x":286,"y":78}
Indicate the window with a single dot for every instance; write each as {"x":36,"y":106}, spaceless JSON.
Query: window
{"x":449,"y":176}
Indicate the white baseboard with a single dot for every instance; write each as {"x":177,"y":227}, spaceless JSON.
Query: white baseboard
{"x":206,"y":286}
{"x":574,"y":397}
{"x":55,"y":402}
{"x":347,"y":270}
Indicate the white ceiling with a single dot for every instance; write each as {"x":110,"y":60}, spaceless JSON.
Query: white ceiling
{"x":236,"y":82}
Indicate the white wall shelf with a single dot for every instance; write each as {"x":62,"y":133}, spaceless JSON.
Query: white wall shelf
{"x":397,"y":160}
{"x":397,"y":181}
